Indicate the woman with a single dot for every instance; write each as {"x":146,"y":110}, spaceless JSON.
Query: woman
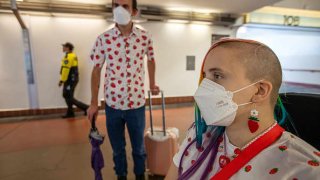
{"x":237,"y":135}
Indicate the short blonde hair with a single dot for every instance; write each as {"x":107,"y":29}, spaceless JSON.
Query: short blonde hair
{"x":260,"y":62}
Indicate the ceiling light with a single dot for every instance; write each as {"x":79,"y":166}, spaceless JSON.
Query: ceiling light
{"x":177,"y":21}
{"x":185,"y":9}
{"x":202,"y":22}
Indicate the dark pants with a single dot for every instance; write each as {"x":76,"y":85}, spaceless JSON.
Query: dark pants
{"x":68,"y":92}
{"x":135,"y":120}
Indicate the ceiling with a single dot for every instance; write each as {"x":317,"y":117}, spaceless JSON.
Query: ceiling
{"x":206,"y":6}
{"x":219,"y":12}
{"x":300,"y":4}
{"x":219,"y":6}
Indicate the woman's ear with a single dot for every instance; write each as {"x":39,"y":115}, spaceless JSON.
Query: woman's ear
{"x":264,"y":91}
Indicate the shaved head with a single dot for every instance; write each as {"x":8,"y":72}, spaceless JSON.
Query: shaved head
{"x":259,"y":62}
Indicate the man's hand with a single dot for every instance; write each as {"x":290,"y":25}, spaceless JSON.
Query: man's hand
{"x":154,"y":89}
{"x":92,"y":112}
{"x":60,"y":83}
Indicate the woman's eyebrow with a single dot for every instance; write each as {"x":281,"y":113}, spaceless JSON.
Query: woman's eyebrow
{"x":215,"y":69}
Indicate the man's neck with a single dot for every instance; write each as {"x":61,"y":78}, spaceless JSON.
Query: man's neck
{"x":125,"y":29}
{"x":239,"y":133}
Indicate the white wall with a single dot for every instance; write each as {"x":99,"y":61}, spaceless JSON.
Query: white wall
{"x":47,"y":34}
{"x":172,"y":43}
{"x":13,"y":82}
{"x":297,"y":48}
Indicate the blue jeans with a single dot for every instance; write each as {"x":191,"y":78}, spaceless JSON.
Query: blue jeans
{"x":135,"y":120}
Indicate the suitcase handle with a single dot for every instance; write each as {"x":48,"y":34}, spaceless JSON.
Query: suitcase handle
{"x":93,"y":123}
{"x":163,"y":115}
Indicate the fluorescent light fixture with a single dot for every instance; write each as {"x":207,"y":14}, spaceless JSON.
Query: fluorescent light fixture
{"x":196,"y":10}
{"x":19,"y":0}
{"x":182,"y":9}
{"x":178,"y":21}
{"x":69,"y":15}
{"x":35,"y":13}
{"x":202,"y":22}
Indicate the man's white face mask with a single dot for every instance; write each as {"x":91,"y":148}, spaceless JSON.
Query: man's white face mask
{"x":121,"y":16}
{"x":216,"y":104}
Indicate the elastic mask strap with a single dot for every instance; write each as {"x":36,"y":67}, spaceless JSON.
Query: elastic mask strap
{"x":247,"y":86}
{"x":243,"y":104}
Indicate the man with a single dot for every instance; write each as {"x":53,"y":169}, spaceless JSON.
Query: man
{"x":69,"y":77}
{"x":123,"y":48}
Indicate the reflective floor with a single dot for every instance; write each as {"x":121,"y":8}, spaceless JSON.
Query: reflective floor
{"x":58,"y":149}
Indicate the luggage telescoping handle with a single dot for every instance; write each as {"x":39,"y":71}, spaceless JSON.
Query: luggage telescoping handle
{"x":163,"y":115}
{"x":93,"y":123}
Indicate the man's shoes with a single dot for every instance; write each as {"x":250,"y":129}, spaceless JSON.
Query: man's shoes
{"x":122,"y":177}
{"x":68,"y":115}
{"x":140,"y":177}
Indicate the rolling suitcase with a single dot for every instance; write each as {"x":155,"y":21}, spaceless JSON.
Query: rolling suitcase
{"x":161,"y":143}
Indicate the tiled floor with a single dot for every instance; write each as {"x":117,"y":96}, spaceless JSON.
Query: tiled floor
{"x":58,"y":149}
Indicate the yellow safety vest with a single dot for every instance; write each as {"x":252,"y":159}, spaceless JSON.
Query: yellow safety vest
{"x":69,"y":65}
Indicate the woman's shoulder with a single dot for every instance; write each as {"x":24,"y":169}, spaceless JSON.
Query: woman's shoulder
{"x":298,"y":145}
{"x":294,"y":156}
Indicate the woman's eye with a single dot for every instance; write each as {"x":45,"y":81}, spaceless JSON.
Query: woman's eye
{"x":217,"y":76}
